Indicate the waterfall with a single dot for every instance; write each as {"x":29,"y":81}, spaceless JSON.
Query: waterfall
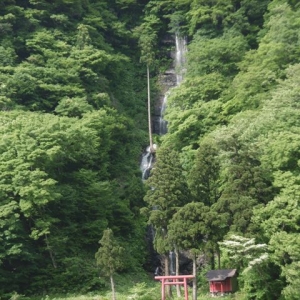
{"x":146,"y":163}
{"x":181,"y":49}
{"x":162,"y":122}
{"x":172,"y":78}
{"x":179,"y":66}
{"x":172,"y":263}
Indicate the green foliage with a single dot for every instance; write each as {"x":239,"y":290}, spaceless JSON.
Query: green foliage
{"x":65,"y":177}
{"x":279,"y":220}
{"x":256,"y":175}
{"x":262,"y":282}
{"x":132,"y":285}
{"x":217,"y":55}
{"x":244,"y":253}
{"x":73,"y":107}
{"x":51,"y":162}
{"x":147,"y":35}
{"x":167,"y":191}
{"x":257,"y":276}
{"x":142,"y":292}
{"x":246,"y":16}
{"x":285,"y":247}
{"x":79,"y":271}
{"x":187,"y":126}
{"x":233,"y":136}
{"x":110,"y":255}
{"x":262,"y":68}
{"x":204,"y":179}
{"x":192,"y":226}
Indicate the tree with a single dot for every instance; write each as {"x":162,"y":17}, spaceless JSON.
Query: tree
{"x":205,"y":185}
{"x":215,"y":16}
{"x":192,"y":228}
{"x":245,"y":183}
{"x":66,"y":178}
{"x":62,"y":181}
{"x":110,"y":257}
{"x":187,"y":125}
{"x":253,"y":263}
{"x":279,"y":220}
{"x":261,"y":68}
{"x":244,"y":252}
{"x":218,"y":55}
{"x":204,"y":177}
{"x":167,"y":192}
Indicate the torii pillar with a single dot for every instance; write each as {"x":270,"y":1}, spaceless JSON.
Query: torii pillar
{"x":174,"y":280}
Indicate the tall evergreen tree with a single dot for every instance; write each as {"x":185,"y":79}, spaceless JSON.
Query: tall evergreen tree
{"x":110,"y":257}
{"x":204,"y":177}
{"x":192,"y":228}
{"x":245,"y":184}
{"x":167,"y":191}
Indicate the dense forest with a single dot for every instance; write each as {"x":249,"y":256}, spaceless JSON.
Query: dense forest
{"x":73,"y":98}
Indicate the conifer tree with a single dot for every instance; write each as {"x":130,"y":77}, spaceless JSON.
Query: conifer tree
{"x":245,"y":184}
{"x":110,"y":257}
{"x":204,"y":176}
{"x":191,"y":228}
{"x":167,"y":192}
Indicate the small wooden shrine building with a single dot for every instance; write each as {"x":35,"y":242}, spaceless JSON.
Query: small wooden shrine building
{"x":222,"y":281}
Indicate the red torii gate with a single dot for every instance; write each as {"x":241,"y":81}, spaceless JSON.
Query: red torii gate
{"x":174,"y":280}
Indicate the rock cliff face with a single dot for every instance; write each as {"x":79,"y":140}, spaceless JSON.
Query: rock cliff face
{"x":169,"y":79}
{"x":166,"y":81}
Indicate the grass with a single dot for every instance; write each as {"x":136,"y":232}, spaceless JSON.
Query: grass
{"x":128,"y":288}
{"x":139,"y":295}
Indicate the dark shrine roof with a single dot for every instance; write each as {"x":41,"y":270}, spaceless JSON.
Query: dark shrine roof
{"x":220,"y":275}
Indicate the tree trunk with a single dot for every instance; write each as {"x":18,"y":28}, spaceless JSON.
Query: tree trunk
{"x":167,"y":273}
{"x":149,"y":111}
{"x":212,"y":260}
{"x":177,"y":270}
{"x":195,"y":277}
{"x":112,"y":283}
{"x":50,"y":252}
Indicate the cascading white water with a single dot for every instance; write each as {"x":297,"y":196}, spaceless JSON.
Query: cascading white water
{"x":146,"y":163}
{"x":162,"y":122}
{"x":181,"y":49}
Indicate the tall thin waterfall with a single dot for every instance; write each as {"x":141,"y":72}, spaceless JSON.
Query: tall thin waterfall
{"x":172,"y":78}
{"x":181,"y":49}
{"x":162,"y":122}
{"x":179,"y":69}
{"x":146,"y":163}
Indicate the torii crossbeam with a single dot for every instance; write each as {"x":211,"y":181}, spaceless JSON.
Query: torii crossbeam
{"x":174,"y":280}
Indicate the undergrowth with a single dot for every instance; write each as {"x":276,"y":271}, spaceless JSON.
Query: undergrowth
{"x":128,"y":287}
